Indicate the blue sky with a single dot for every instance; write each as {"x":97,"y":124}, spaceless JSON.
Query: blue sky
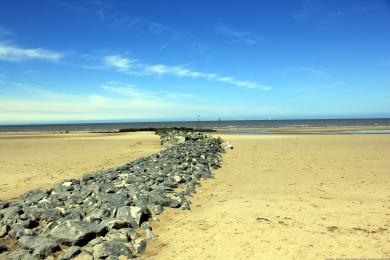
{"x":94,"y":60}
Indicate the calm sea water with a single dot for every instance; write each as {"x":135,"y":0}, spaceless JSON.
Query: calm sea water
{"x":202,"y":124}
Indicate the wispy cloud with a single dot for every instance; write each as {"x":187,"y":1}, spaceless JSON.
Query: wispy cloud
{"x":309,"y":70}
{"x":298,"y":70}
{"x":239,"y":37}
{"x":227,"y":31}
{"x":124,"y":64}
{"x":118,"y":62}
{"x":14,"y":53}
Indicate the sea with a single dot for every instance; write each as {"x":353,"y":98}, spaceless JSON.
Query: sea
{"x":238,"y":126}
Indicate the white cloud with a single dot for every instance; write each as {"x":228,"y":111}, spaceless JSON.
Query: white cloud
{"x":13,"y":53}
{"x":117,"y":102}
{"x":124,"y":64}
{"x":118,"y":62}
{"x":227,"y":31}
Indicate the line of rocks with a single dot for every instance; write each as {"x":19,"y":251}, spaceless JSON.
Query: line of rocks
{"x":104,"y":215}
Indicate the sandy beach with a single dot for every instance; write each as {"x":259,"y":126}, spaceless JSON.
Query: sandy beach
{"x":287,"y":197}
{"x":39,"y":160}
{"x":276,"y":196}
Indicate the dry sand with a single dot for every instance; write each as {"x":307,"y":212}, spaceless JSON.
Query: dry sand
{"x":39,"y":160}
{"x":276,"y":196}
{"x":287,"y":197}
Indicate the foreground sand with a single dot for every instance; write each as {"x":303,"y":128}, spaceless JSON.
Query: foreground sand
{"x":287,"y":197}
{"x":39,"y":160}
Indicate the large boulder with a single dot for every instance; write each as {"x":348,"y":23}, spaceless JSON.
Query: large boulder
{"x":133,"y":214}
{"x":75,"y":232}
{"x":38,"y":246}
{"x":112,"y":248}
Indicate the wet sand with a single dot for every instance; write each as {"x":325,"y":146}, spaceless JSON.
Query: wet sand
{"x":287,"y":197}
{"x":39,"y":160}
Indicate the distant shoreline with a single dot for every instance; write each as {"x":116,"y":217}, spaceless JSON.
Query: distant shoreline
{"x":216,"y":125}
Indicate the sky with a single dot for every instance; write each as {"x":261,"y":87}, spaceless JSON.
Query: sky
{"x":138,"y":60}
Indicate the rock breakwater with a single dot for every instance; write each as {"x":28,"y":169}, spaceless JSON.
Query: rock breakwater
{"x":104,"y":215}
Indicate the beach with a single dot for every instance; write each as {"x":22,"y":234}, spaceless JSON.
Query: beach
{"x":40,"y":160}
{"x":275,"y":197}
{"x":287,"y":197}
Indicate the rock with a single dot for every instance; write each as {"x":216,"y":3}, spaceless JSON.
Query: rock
{"x":122,"y":235}
{"x":34,"y":196}
{"x":100,"y":209}
{"x":95,"y":241}
{"x":39,"y":246}
{"x":99,"y":214}
{"x":67,"y":184}
{"x":75,"y":232}
{"x":70,"y":253}
{"x":114,"y":223}
{"x":18,"y":231}
{"x":84,"y":256}
{"x":20,"y":254}
{"x":4,"y":205}
{"x":113,"y":248}
{"x":4,"y":231}
{"x":12,"y":212}
{"x":149,"y":234}
{"x":139,"y":245}
{"x":52,"y":214}
{"x":133,"y":214}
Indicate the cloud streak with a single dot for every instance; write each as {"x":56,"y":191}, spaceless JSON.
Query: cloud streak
{"x":122,"y":64}
{"x":238,"y":37}
{"x":14,"y":53}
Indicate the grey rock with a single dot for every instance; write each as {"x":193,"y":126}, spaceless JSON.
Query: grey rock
{"x":18,"y":231}
{"x":113,"y":248}
{"x":52,"y":214}
{"x":20,"y":254}
{"x":34,"y":196}
{"x":149,"y":234}
{"x":70,"y":253}
{"x":122,"y":235}
{"x":114,"y":223}
{"x":4,"y":231}
{"x":139,"y":245}
{"x":4,"y":204}
{"x":75,"y":232}
{"x":96,"y":241}
{"x":132,"y":214}
{"x":99,"y":214}
{"x":38,"y":246}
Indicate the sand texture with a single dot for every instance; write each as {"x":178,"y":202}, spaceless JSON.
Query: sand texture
{"x":39,"y":160}
{"x":287,"y":197}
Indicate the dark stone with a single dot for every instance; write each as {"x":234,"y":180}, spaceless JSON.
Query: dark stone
{"x":4,"y":205}
{"x":75,"y":232}
{"x":112,"y":248}
{"x":38,"y":246}
{"x":52,"y":214}
{"x":18,"y":231}
{"x":34,"y":196}
{"x":139,"y":245}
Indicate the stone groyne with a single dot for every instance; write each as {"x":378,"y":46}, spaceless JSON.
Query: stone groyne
{"x":104,"y":215}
